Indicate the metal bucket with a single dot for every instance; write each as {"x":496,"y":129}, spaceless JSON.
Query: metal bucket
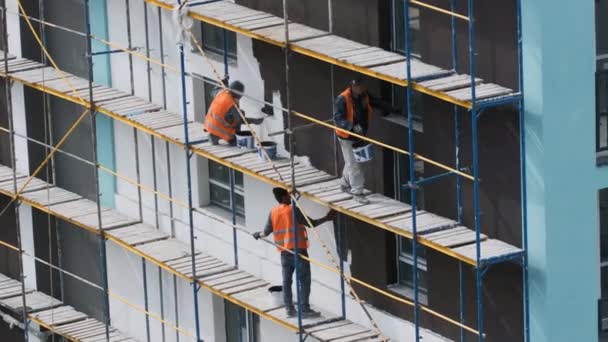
{"x":244,"y":139}
{"x":271,"y":150}
{"x":364,"y":153}
{"x":276,"y":292}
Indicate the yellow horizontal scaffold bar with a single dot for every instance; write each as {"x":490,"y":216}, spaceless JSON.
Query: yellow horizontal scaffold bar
{"x":321,"y":57}
{"x":301,"y":115}
{"x":250,"y":173}
{"x":164,"y":266}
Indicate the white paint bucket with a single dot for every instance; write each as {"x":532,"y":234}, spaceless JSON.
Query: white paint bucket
{"x":364,"y":153}
{"x":270,"y":147}
{"x":276,"y":292}
{"x":244,"y":139}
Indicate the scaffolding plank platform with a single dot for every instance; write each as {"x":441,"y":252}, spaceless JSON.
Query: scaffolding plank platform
{"x":51,"y":196}
{"x":73,"y":209}
{"x":35,"y":301}
{"x":54,"y":315}
{"x":195,"y":131}
{"x":138,"y":234}
{"x":165,"y":250}
{"x":109,"y":219}
{"x":235,"y":285}
{"x":490,"y":249}
{"x":33,"y":185}
{"x":61,"y":315}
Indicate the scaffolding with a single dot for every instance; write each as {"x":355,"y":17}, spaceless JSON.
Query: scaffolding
{"x":470,"y":248}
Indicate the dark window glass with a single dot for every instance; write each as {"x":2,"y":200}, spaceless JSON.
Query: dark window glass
{"x":213,"y":40}
{"x":601,"y":83}
{"x":219,"y":188}
{"x":241,"y":325}
{"x":399,"y":36}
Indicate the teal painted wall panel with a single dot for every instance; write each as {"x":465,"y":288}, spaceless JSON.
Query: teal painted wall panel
{"x":562,"y":179}
{"x":105,"y":128}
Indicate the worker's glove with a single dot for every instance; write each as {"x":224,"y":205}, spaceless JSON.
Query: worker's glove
{"x":257,"y":235}
{"x":358,"y":129}
{"x":268,"y":110}
{"x":331,"y":215}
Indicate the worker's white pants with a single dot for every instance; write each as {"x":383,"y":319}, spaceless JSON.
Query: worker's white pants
{"x":352,"y":175}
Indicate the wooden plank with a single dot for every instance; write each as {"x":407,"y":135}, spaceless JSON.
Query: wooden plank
{"x":357,"y":337}
{"x":227,"y":278}
{"x":51,"y":196}
{"x":35,"y":301}
{"x":34,"y":184}
{"x":165,"y":250}
{"x":339,"y":332}
{"x":260,"y":299}
{"x":326,"y":326}
{"x":219,"y":275}
{"x":213,"y":271}
{"x":246,"y":287}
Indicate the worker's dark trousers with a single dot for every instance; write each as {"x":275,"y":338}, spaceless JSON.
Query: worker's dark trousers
{"x":289,"y":266}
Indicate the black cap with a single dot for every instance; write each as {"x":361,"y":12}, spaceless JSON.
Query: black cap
{"x":357,"y":81}
{"x":237,"y":86}
{"x":279,"y":193}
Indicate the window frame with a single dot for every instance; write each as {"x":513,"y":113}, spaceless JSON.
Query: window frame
{"x":403,"y":257}
{"x":239,"y":190}
{"x":213,"y":46}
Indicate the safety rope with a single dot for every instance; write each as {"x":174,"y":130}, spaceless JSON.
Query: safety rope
{"x":272,"y":164}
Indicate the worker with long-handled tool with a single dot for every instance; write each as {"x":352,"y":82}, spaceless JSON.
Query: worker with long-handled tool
{"x":352,"y":112}
{"x":280,"y":223}
{"x":223,"y":119}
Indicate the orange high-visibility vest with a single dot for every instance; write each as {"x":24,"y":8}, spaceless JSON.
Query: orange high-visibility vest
{"x":215,"y":121}
{"x":350,"y":110}
{"x":281,"y":217}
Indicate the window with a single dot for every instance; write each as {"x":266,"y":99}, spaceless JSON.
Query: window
{"x":241,"y":325}
{"x":404,"y":258}
{"x":399,"y":28}
{"x":219,"y":188}
{"x":603,"y":314}
{"x":212,"y":39}
{"x":601,"y":83}
{"x":398,"y":43}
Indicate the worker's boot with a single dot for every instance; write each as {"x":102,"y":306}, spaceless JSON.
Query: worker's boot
{"x":291,"y":311}
{"x":307,"y":312}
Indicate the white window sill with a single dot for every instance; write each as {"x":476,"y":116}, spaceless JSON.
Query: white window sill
{"x":220,"y":212}
{"x":408,"y":292}
{"x":216,"y":57}
{"x":402,"y":121}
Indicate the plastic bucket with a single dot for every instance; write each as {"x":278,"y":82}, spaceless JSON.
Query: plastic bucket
{"x":244,"y":139}
{"x":270,"y":147}
{"x":364,"y":153}
{"x":276,"y":292}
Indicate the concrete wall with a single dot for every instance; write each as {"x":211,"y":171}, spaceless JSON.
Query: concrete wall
{"x":213,"y":238}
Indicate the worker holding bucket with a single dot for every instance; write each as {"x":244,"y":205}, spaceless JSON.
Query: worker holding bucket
{"x":223,"y":120}
{"x":352,"y":112}
{"x":280,"y":224}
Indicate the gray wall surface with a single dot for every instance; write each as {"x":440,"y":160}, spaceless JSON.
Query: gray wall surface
{"x":373,"y":250}
{"x":79,"y":248}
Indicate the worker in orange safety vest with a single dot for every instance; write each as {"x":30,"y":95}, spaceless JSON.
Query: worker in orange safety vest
{"x":223,"y":120}
{"x":353,"y":111}
{"x":280,"y":223}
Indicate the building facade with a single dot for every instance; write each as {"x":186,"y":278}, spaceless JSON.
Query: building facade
{"x":564,"y":91}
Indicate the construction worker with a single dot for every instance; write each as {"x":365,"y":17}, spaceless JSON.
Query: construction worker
{"x":280,"y":223}
{"x":223,"y":119}
{"x":352,"y":112}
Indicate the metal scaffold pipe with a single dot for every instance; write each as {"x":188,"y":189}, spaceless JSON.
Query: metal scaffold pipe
{"x":102,"y":240}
